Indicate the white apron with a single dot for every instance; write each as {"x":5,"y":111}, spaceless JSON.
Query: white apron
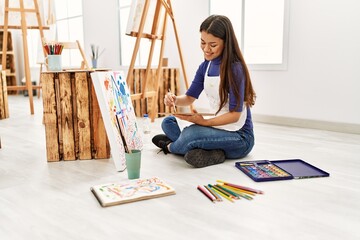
{"x":211,"y":87}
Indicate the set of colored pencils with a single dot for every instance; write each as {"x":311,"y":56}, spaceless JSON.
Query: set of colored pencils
{"x":229,"y":191}
{"x":53,"y":48}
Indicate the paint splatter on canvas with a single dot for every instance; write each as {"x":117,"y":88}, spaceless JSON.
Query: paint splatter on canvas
{"x":118,"y":113}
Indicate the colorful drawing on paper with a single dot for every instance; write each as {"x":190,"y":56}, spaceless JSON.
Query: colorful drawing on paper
{"x":118,"y":115}
{"x":131,"y":190}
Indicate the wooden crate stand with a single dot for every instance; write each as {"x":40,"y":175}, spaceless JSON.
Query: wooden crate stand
{"x":169,"y":80}
{"x":74,"y":127}
{"x":10,"y":61}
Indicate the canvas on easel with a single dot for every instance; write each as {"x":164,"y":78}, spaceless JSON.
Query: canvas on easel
{"x":148,"y":19}
{"x":136,"y":9}
{"x":21,"y":13}
{"x":15,"y":16}
{"x":152,"y":11}
{"x":118,"y":114}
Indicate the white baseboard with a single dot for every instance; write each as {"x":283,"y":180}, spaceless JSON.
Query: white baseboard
{"x":306,"y":123}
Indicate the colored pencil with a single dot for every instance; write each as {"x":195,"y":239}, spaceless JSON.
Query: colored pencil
{"x":53,"y":48}
{"x":239,"y":194}
{"x":237,"y":190}
{"x":217,"y":197}
{"x":241,"y":187}
{"x":221,"y":191}
{"x":206,"y":193}
{"x":231,"y":193}
{"x":222,"y":194}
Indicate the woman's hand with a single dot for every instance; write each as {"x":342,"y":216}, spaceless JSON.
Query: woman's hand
{"x":195,"y":117}
{"x":169,"y":99}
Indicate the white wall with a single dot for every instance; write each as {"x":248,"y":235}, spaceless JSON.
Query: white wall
{"x":101,"y":27}
{"x":323,"y":76}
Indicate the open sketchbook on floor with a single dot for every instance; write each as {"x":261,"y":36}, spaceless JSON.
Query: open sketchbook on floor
{"x":111,"y":194}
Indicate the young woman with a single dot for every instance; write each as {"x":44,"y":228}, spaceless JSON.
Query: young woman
{"x":225,"y":79}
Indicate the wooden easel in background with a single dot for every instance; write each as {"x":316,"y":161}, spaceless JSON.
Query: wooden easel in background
{"x":161,"y":5}
{"x":23,"y":26}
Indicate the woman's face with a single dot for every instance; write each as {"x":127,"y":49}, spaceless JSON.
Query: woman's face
{"x":212,"y":46}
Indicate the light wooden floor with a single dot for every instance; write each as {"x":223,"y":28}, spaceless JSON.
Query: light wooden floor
{"x":40,"y":200}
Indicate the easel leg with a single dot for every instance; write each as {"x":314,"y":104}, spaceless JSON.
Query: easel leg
{"x":26,"y":58}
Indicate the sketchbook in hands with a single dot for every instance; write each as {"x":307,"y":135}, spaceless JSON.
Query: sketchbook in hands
{"x":187,"y":114}
{"x":111,"y":194}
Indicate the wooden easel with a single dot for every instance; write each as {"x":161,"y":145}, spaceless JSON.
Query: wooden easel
{"x":23,"y":26}
{"x":153,"y":36}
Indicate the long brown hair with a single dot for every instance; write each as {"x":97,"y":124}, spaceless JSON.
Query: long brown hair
{"x":221,"y":27}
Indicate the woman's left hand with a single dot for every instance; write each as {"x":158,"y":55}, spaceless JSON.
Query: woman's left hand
{"x":194,"y":117}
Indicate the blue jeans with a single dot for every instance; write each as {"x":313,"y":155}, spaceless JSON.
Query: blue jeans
{"x":235,"y":144}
